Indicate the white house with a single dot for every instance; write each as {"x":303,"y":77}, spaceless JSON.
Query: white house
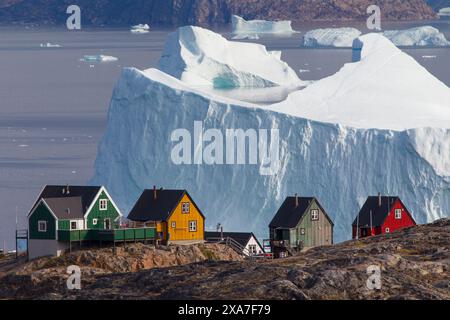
{"x":247,"y":240}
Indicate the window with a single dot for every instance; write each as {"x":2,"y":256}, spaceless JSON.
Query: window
{"x":185,"y":207}
{"x":103,"y":204}
{"x":193,"y":226}
{"x":314,"y":215}
{"x":302,"y":231}
{"x":73,"y":225}
{"x":398,"y":214}
{"x":42,"y":226}
{"x":387,"y":230}
{"x":252,"y":249}
{"x":174,"y":224}
{"x":94,"y":222}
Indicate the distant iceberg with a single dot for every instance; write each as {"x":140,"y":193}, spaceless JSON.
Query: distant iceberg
{"x":252,"y":27}
{"x":444,"y":12}
{"x":50,"y":45}
{"x":331,"y":37}
{"x":141,"y":26}
{"x":417,"y":37}
{"x":98,"y":58}
{"x":205,"y":59}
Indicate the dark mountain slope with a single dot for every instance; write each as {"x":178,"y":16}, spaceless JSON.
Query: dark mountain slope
{"x":204,"y":12}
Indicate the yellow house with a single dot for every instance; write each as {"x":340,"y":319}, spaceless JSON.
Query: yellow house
{"x":175,"y":214}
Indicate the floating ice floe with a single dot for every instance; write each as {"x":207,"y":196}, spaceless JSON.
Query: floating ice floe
{"x":50,"y":45}
{"x":244,"y":36}
{"x":204,"y":58}
{"x":255,"y":27}
{"x":380,"y":124}
{"x":331,"y":37}
{"x":140,"y":28}
{"x":98,"y":58}
{"x":417,"y":37}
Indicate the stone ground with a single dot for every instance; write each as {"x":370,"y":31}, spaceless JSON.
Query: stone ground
{"x":414,"y":264}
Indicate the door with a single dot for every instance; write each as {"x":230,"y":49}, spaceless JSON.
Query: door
{"x":107,"y":224}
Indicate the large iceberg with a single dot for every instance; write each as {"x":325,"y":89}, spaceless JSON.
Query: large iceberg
{"x":241,"y":26}
{"x":381,"y":125}
{"x":200,"y":57}
{"x":417,"y":37}
{"x":331,"y":37}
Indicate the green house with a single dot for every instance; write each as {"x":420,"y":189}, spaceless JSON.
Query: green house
{"x":300,"y":222}
{"x":62,"y":214}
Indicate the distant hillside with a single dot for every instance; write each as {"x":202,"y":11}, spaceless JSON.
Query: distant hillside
{"x":204,"y":12}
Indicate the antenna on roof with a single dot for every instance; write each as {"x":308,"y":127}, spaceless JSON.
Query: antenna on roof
{"x":154,"y":192}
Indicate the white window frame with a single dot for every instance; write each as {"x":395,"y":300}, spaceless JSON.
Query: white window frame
{"x":174,"y":224}
{"x":252,"y":249}
{"x":45,"y":226}
{"x":76,"y":225}
{"x":185,"y":207}
{"x":103,"y":204}
{"x":302,"y":231}
{"x":398,"y":216}
{"x":387,"y":230}
{"x":315,"y":217}
{"x":193,"y":226}
{"x":94,"y":221}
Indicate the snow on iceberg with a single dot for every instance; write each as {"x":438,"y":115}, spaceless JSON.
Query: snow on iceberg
{"x":444,"y":12}
{"x":201,"y":57}
{"x":331,"y":37}
{"x":251,"y":27}
{"x":417,"y":37}
{"x":98,"y":58}
{"x":339,"y":164}
{"x":386,"y":89}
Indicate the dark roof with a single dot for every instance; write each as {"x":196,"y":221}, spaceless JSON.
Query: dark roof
{"x":241,"y":237}
{"x":66,"y":208}
{"x":85,"y":193}
{"x":288,"y":216}
{"x":147,"y":208}
{"x":379,"y":213}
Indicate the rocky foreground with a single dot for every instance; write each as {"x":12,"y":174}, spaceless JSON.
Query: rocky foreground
{"x":415,"y":264}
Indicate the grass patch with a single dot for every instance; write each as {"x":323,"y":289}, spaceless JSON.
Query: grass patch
{"x":209,"y":254}
{"x":408,"y":252}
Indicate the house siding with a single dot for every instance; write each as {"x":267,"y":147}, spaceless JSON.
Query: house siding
{"x":181,"y":231}
{"x":317,"y":233}
{"x":95,"y":213}
{"x":42,"y":213}
{"x":397,"y":224}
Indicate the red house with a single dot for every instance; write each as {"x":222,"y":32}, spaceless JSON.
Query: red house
{"x":381,"y":215}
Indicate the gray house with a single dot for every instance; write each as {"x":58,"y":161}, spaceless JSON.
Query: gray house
{"x":301,"y":222}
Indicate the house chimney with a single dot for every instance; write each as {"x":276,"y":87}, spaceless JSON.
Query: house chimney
{"x":379,"y":199}
{"x":296,"y":200}
{"x":67,"y":189}
{"x":154,"y":192}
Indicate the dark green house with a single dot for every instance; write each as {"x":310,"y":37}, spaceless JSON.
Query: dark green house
{"x":62,"y":214}
{"x":301,"y":222}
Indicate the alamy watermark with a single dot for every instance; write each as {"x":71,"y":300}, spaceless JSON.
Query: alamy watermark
{"x":374,"y":280}
{"x":374,"y":20}
{"x":74,"y":20}
{"x":74,"y":280}
{"x":234,"y":147}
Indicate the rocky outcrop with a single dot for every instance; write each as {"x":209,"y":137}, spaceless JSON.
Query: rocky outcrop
{"x":205,"y":12}
{"x":414,"y":264}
